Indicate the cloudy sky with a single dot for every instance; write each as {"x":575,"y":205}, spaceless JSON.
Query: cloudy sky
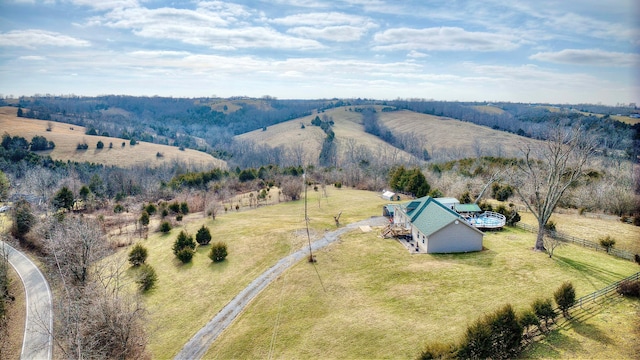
{"x":558,"y":51}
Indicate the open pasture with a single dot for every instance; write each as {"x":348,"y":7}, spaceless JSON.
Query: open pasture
{"x":188,"y":296}
{"x":382,"y":302}
{"x":67,"y":137}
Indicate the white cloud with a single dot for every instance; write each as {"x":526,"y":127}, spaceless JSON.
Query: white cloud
{"x":101,"y":5}
{"x":33,"y":38}
{"x":443,"y":39}
{"x":334,"y":33}
{"x":416,"y":54}
{"x":595,"y":57}
{"x":331,"y":26}
{"x":32,"y":58}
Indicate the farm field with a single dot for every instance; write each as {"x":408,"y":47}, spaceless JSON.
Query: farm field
{"x":381,"y":302}
{"x":188,"y":296}
{"x":66,"y":138}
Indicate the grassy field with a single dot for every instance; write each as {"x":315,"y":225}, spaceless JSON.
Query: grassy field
{"x":489,"y":109}
{"x":382,"y":302}
{"x":590,"y":228}
{"x":188,"y":296}
{"x":347,"y":128}
{"x":446,"y":133}
{"x":66,"y":138}
{"x":610,"y":330}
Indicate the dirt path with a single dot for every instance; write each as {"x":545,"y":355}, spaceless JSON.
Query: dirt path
{"x":37,"y":342}
{"x":198,"y":345}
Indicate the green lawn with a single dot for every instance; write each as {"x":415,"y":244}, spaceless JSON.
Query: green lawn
{"x":188,"y":296}
{"x":381,"y":302}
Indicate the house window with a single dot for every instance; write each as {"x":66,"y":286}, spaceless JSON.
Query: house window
{"x":423,"y":240}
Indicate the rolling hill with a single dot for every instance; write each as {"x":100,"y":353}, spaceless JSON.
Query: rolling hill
{"x":443,"y":137}
{"x":66,"y":138}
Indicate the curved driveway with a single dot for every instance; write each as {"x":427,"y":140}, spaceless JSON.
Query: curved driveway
{"x":198,"y":345}
{"x":37,"y":342}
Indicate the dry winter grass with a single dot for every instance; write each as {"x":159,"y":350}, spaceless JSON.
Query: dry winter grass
{"x":593,"y":228}
{"x":382,"y":302}
{"x":348,"y":129}
{"x":188,"y":296}
{"x":66,"y":138}
{"x":445,"y":133}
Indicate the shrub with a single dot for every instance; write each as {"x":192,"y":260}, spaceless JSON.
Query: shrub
{"x":629,"y":288}
{"x":179,"y":217}
{"x":63,"y":199}
{"x":497,"y":335}
{"x":110,"y":145}
{"x":137,"y":255}
{"x":438,"y":350}
{"x":159,"y":154}
{"x":100,"y":145}
{"x":165,"y":227}
{"x":174,"y":207}
{"x":184,"y":208}
{"x":607,"y":242}
{"x":147,"y":278}
{"x":144,"y":218}
{"x":543,"y":308}
{"x":185,"y":255}
{"x":164,"y":213}
{"x":565,"y":297}
{"x":183,"y":241}
{"x":529,"y":319}
{"x":218,"y":251}
{"x":150,"y":209}
{"x":203,"y":236}
{"x":82,"y":146}
{"x":22,"y":219}
{"x":118,"y":208}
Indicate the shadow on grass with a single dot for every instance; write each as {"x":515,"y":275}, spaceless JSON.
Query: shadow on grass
{"x":553,"y":346}
{"x":483,"y":259}
{"x":218,"y":267}
{"x":589,"y":271}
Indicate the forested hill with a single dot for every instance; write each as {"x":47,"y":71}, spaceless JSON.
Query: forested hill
{"x":209,"y":124}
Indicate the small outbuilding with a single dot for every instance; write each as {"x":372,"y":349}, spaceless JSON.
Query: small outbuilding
{"x":390,"y":195}
{"x":436,"y":228}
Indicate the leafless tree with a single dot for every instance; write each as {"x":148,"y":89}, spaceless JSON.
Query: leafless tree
{"x":94,"y":316}
{"x":546,"y":173}
{"x":292,"y":187}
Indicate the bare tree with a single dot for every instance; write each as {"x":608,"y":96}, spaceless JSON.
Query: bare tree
{"x":546,"y":173}
{"x":75,"y":245}
{"x":94,"y":316}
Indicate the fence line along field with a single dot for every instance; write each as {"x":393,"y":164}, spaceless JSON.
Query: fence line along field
{"x":66,"y":138}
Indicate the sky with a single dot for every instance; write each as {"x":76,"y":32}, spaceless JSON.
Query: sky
{"x":552,"y":51}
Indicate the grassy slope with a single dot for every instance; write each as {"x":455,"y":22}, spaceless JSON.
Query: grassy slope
{"x":440,"y":133}
{"x":188,"y":296}
{"x":382,"y":302}
{"x":627,"y":236}
{"x":348,"y":125}
{"x":66,"y":137}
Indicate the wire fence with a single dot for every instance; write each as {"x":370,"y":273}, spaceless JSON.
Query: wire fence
{"x":582,"y":242}
{"x":603,"y":292}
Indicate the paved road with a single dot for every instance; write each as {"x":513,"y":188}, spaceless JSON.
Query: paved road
{"x":202,"y":340}
{"x":37,"y":342}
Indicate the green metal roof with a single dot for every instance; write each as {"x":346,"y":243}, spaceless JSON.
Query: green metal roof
{"x":465,"y":208}
{"x":429,"y":215}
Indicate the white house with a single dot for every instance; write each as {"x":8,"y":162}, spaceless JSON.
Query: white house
{"x":436,"y":228}
{"x":390,"y":195}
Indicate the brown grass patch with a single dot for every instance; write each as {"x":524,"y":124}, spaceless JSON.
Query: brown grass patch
{"x":66,"y":138}
{"x":16,"y":312}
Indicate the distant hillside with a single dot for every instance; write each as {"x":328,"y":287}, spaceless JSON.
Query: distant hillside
{"x":444,"y":138}
{"x":447,"y":138}
{"x":66,"y":138}
{"x":350,"y":137}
